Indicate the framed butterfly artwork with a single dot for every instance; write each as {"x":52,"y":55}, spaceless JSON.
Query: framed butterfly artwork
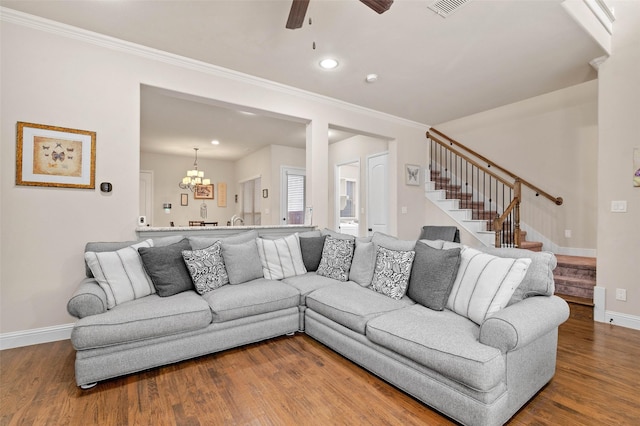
{"x":412,"y":174}
{"x":55,"y":156}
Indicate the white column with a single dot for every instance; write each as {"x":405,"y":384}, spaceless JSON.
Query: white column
{"x":318,"y":171}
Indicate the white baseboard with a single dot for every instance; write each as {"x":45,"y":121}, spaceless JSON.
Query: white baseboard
{"x":35,"y":336}
{"x":611,"y":317}
{"x":623,"y":320}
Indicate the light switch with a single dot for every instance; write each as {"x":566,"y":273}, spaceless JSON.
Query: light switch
{"x":619,"y":206}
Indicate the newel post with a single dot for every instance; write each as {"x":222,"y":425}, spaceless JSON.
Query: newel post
{"x":517,"y":187}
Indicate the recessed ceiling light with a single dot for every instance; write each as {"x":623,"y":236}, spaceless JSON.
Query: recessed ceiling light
{"x":215,"y":142}
{"x":328,"y":63}
{"x":371,"y":78}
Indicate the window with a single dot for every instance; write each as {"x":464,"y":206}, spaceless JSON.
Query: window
{"x":293,"y":196}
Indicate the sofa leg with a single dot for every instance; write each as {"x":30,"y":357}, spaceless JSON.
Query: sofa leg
{"x":88,"y":386}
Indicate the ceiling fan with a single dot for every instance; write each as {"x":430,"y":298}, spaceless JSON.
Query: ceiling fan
{"x":299,"y":10}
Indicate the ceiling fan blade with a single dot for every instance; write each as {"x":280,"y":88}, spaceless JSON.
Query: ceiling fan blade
{"x":380,"y":6}
{"x":296,"y":14}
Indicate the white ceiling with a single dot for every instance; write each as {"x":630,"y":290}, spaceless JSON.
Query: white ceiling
{"x":431,"y":69}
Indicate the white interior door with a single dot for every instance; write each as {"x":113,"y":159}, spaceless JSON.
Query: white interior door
{"x":378,"y":193}
{"x":146,"y":195}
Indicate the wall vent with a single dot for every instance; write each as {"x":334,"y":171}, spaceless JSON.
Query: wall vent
{"x":445,"y":8}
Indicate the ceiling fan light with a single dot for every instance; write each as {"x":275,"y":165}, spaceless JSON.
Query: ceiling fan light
{"x":328,"y":63}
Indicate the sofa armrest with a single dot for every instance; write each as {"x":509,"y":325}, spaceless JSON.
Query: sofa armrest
{"x":88,"y":299}
{"x":521,"y":323}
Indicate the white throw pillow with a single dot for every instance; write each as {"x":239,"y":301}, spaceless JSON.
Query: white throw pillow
{"x":484,"y":284}
{"x":281,"y":258}
{"x":121,"y":274}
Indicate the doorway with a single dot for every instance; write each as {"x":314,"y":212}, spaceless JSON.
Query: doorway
{"x":348,"y":198}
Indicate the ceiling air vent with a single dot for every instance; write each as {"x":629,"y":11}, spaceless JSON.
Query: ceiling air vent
{"x":445,"y":8}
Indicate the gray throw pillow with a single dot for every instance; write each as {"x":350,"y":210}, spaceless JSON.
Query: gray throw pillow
{"x":432,"y":276}
{"x":166,"y":268}
{"x":339,"y":235}
{"x":242,"y":261}
{"x":311,"y":248}
{"x":364,"y":263}
{"x":336,"y":258}
{"x":392,"y":243}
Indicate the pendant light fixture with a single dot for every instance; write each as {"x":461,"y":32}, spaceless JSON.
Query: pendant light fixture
{"x":194,"y":177}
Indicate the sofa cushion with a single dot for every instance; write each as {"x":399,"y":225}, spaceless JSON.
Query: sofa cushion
{"x":200,"y":242}
{"x":391,"y":276}
{"x":145,"y":318}
{"x":484,"y":284}
{"x":120,"y":273}
{"x":166,"y":267}
{"x":339,"y":235}
{"x":432,"y":275}
{"x":251,"y":298}
{"x":206,"y":267}
{"x":392,"y":243}
{"x":281,"y":258}
{"x":337,"y":255}
{"x":309,"y":282}
{"x":538,"y":281}
{"x":442,"y":341}
{"x":351,"y":305}
{"x":242,"y":261}
{"x":311,"y":248}
{"x":364,"y":263}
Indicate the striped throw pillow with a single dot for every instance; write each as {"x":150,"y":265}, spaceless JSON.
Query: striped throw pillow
{"x":281,"y":258}
{"x":121,"y":274}
{"x":484,"y":284}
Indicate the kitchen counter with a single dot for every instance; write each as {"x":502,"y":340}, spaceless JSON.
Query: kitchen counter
{"x":144,"y":232}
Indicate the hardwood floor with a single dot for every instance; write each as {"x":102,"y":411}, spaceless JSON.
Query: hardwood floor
{"x":296,"y":380}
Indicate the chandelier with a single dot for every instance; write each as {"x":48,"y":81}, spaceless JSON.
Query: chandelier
{"x":194,"y":177}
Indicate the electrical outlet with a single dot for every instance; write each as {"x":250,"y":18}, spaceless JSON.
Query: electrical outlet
{"x":567,"y":233}
{"x":621,"y":294}
{"x":619,"y":206}
{"x":404,"y":210}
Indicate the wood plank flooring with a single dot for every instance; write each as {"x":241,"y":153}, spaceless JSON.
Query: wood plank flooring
{"x":296,"y":380}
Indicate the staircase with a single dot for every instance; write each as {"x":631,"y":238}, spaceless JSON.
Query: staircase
{"x":471,"y":215}
{"x":483,"y":197}
{"x":575,"y":278}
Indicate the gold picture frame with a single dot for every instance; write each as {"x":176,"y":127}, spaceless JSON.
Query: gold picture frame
{"x":203,"y":192}
{"x":55,"y":156}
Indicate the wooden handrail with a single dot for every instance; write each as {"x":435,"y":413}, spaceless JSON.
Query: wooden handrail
{"x":471,"y":161}
{"x":557,"y":200}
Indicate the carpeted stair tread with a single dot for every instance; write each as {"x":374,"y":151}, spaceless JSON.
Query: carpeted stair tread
{"x":585,"y":301}
{"x":574,"y":281}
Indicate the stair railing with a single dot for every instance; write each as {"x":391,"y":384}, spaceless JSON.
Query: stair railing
{"x":461,"y":172}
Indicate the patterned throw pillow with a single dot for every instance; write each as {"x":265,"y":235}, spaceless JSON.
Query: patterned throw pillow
{"x":391,"y":276}
{"x":336,"y":258}
{"x":206,"y":267}
{"x":484,"y":284}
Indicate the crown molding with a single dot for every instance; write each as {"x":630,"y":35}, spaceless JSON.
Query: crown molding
{"x":90,"y":37}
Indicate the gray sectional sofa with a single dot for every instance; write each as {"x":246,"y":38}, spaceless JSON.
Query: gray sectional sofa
{"x":476,"y":371}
